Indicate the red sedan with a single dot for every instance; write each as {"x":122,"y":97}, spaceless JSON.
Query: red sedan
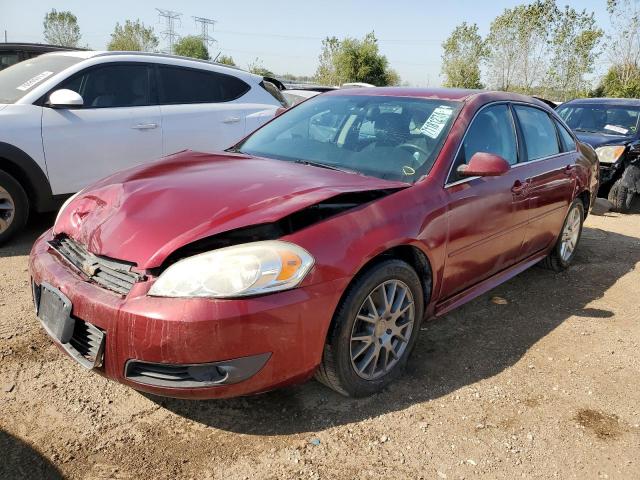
{"x":317,"y":245}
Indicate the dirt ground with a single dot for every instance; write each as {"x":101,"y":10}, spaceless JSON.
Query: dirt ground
{"x":544,"y":386}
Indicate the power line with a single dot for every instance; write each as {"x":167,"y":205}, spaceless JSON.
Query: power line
{"x":204,"y":24}
{"x":170,"y":19}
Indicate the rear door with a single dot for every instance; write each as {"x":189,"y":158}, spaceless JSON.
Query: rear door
{"x":487,"y":215}
{"x":201,"y":109}
{"x":118,"y":126}
{"x":549,"y":172}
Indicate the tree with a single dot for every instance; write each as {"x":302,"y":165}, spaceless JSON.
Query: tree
{"x":354,"y":60}
{"x":61,"y":28}
{"x":464,"y":51}
{"x":623,"y":44}
{"x":518,"y":46}
{"x":133,"y":37}
{"x":226,"y":60}
{"x":574,"y":41}
{"x":327,"y":74}
{"x":191,"y":46}
{"x":256,"y":67}
{"x":620,"y":81}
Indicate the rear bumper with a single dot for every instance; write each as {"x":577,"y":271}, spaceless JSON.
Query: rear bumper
{"x":286,"y":331}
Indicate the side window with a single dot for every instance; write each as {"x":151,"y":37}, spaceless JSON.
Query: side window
{"x":540,"y":137}
{"x":112,"y":86}
{"x":491,"y":131}
{"x":568,"y":143}
{"x":184,"y":85}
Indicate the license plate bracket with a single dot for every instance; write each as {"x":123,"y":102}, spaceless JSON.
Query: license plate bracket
{"x":54,"y":312}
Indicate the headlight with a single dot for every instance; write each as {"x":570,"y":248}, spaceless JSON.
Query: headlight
{"x":65,"y":204}
{"x":609,"y":154}
{"x":238,"y":271}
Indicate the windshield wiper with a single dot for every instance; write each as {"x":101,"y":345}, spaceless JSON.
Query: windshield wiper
{"x":586,"y":130}
{"x":324,"y":165}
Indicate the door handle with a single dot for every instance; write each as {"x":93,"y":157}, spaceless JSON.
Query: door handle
{"x":231,"y":120}
{"x":145,"y":126}
{"x":568,"y":170}
{"x":519,"y":188}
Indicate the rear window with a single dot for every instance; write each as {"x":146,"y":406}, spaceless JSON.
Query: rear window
{"x":21,"y":78}
{"x":184,"y":85}
{"x":540,"y":137}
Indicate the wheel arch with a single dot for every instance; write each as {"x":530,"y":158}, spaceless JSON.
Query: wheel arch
{"x":28,"y":173}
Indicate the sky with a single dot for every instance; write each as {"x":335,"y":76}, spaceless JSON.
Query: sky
{"x":286,"y":36}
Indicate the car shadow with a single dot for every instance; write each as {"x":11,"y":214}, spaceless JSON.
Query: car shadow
{"x":21,"y":244}
{"x":21,"y":461}
{"x":475,"y":342}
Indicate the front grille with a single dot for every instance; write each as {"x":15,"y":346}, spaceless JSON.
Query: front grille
{"x":111,"y":274}
{"x":87,"y":340}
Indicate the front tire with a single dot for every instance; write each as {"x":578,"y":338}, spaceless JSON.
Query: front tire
{"x":374,"y":330}
{"x":620,"y":197}
{"x":14,"y":207}
{"x":565,"y":248}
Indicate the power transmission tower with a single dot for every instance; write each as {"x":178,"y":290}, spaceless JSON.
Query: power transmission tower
{"x":170,"y":19}
{"x":205,"y":23}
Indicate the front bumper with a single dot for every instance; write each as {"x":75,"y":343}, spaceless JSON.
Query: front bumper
{"x":287,"y":330}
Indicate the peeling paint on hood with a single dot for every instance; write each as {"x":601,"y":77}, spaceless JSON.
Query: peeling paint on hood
{"x":143,"y":214}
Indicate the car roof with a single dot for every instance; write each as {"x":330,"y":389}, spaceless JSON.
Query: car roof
{"x":453,"y":94}
{"x":37,"y":47}
{"x":631,"y":102}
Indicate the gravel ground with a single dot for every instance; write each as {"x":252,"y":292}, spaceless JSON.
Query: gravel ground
{"x":542,"y":386}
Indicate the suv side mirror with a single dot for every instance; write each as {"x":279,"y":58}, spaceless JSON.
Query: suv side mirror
{"x":484,"y":164}
{"x":64,"y":98}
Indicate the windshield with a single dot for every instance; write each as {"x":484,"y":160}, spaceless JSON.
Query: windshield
{"x":606,"y":119}
{"x":394,"y":138}
{"x":18,"y":80}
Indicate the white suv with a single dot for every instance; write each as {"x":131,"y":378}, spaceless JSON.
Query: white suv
{"x":68,"y":119}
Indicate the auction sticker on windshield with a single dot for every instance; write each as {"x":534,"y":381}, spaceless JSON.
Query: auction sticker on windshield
{"x":437,"y":121}
{"x":32,"y":81}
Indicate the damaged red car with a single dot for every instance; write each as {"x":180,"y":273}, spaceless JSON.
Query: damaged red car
{"x":316,"y":246}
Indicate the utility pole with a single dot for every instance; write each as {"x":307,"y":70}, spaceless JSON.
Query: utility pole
{"x":204,"y":24}
{"x":170,"y":19}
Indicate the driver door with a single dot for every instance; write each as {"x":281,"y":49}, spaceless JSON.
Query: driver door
{"x":487,"y":216}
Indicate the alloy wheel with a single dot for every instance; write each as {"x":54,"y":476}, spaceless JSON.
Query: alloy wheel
{"x":7,"y":210}
{"x":570,"y":234}
{"x":382,"y":329}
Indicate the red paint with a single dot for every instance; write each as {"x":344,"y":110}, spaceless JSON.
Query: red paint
{"x":475,"y":235}
{"x":485,"y":165}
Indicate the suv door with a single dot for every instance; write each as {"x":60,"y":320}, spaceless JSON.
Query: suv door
{"x":199,"y":111}
{"x":118,"y":126}
{"x":550,"y":176}
{"x":487,"y":215}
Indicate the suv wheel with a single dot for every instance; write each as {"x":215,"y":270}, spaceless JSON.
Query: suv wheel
{"x":565,"y":248}
{"x":375,"y":328}
{"x":14,"y":207}
{"x":620,"y":197}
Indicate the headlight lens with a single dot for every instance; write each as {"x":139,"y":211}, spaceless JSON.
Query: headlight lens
{"x":609,"y":154}
{"x":65,"y":204}
{"x":238,"y":271}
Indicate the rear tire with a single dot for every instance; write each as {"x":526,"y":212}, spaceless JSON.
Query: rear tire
{"x":378,"y":321}
{"x":565,"y":248}
{"x":620,"y":197}
{"x":14,"y":207}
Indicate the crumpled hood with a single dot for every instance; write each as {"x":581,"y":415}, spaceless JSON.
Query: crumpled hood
{"x":598,"y":140}
{"x":143,"y":214}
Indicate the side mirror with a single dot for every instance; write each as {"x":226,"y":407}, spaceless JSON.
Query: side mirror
{"x":64,"y":98}
{"x":484,"y":164}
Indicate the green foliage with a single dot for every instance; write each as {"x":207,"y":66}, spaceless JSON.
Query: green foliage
{"x":226,"y":60}
{"x":354,"y":60}
{"x":133,"y":37}
{"x":464,"y":52}
{"x":191,"y":46}
{"x":574,"y":41}
{"x":620,"y":81}
{"x":258,"y":68}
{"x":61,"y":28}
